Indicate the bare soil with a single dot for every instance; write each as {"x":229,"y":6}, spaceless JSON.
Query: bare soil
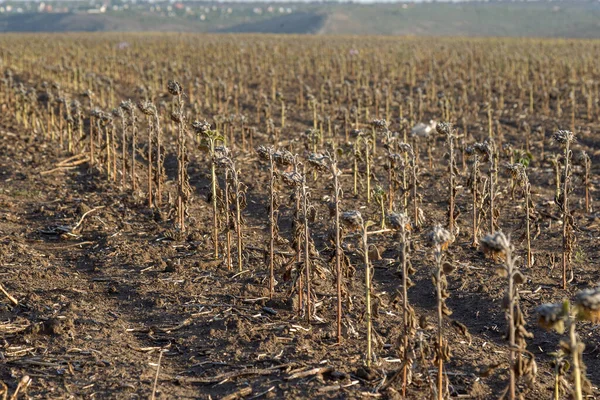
{"x":94,"y":311}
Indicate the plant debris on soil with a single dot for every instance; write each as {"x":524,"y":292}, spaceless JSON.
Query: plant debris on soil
{"x":106,"y":297}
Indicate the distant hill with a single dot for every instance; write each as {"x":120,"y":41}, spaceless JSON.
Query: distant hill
{"x":298,"y":22}
{"x":532,"y":19}
{"x":79,"y":22}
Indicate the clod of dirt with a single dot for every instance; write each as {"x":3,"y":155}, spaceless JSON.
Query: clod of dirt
{"x":82,"y":208}
{"x":161,"y":265}
{"x":269,"y":344}
{"x":375,"y":253}
{"x":172,"y":266}
{"x":280,"y":304}
{"x":194,"y":236}
{"x":112,"y":289}
{"x":392,"y":394}
{"x":478,"y":391}
{"x":462,"y":328}
{"x":339,"y":375}
{"x":210,"y":264}
{"x":6,"y":204}
{"x":53,"y":327}
{"x":270,"y":395}
{"x":366,"y":373}
{"x":424,"y":324}
{"x":158,"y":215}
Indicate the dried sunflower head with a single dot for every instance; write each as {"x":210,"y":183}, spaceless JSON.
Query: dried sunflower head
{"x":127,"y":105}
{"x":292,"y":179}
{"x":76,"y":105}
{"x":351,"y":219}
{"x":441,"y":237}
{"x":588,"y":305}
{"x":96,"y":113}
{"x":552,"y":316}
{"x":406,"y":148}
{"x":318,"y":161}
{"x":106,"y":117}
{"x":582,"y":158}
{"x":147,"y":108}
{"x":264,"y":152}
{"x":399,"y":221}
{"x":283,"y":158}
{"x":222,"y":151}
{"x":174,"y":88}
{"x":513,"y":169}
{"x":224,"y":163}
{"x":517,"y":172}
{"x":117,"y":112}
{"x":444,"y":128}
{"x":495,"y":245}
{"x":563,"y":137}
{"x":483,"y":150}
{"x":176,"y":117}
{"x":201,"y":127}
{"x":379,"y":124}
{"x":395,"y":159}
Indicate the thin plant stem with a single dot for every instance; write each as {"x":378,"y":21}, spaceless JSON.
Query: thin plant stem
{"x":565,"y":215}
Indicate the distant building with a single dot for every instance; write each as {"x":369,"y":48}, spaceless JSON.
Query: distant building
{"x":100,"y":10}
